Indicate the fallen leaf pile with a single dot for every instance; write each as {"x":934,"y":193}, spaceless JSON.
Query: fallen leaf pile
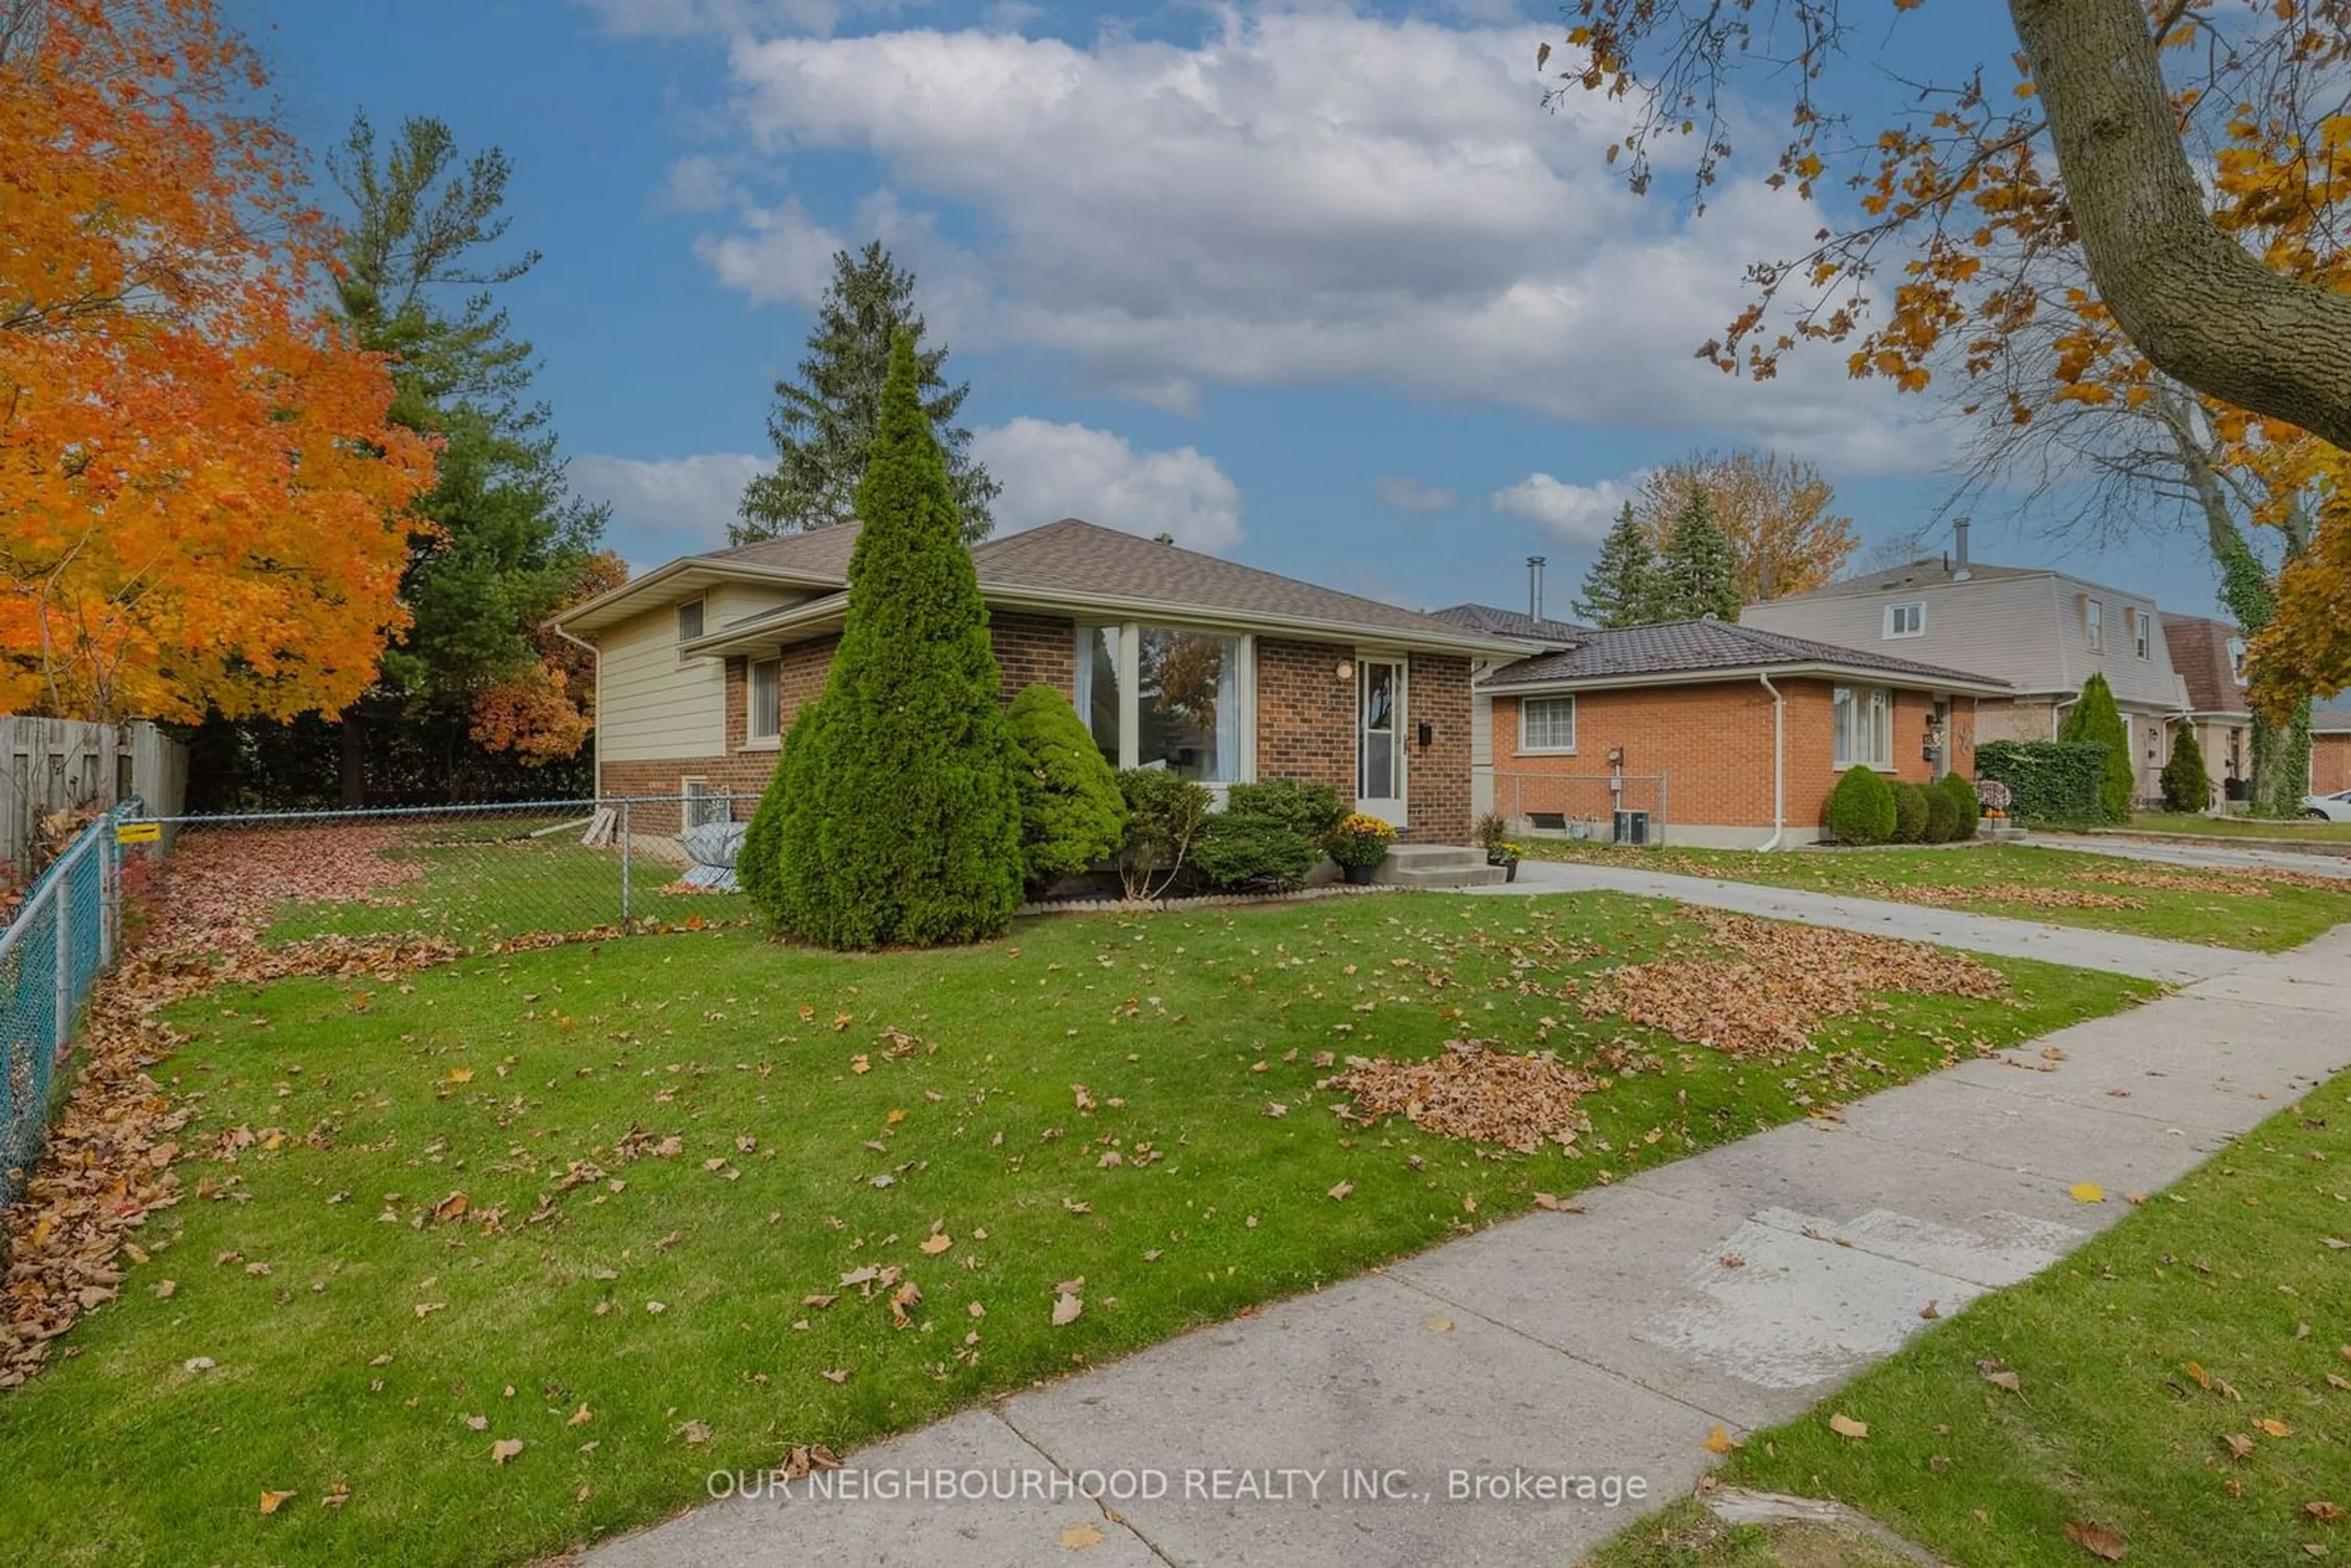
{"x":2228,"y":886}
{"x":1949,"y":896}
{"x":1470,"y":1090}
{"x":1785,"y":980}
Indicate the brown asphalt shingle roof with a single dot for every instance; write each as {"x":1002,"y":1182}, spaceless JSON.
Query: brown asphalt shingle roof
{"x":1083,"y":560}
{"x":2198,"y":647}
{"x":1511,"y":623}
{"x":1681,"y":647}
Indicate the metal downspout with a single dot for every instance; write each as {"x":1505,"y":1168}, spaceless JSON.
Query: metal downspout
{"x":1779,"y":763}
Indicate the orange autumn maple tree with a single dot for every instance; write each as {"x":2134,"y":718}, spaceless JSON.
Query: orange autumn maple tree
{"x":201,"y":500}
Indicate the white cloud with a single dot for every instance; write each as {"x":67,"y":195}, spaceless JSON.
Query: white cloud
{"x":1302,"y":197}
{"x":1052,"y":471}
{"x":666,"y":506}
{"x":1581,"y":513}
{"x":702,"y":184}
{"x":1412,"y":495}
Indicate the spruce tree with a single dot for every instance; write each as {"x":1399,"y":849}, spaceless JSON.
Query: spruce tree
{"x":1621,"y":589}
{"x":893,"y":815}
{"x":2096,"y":721}
{"x":1698,"y":571}
{"x":824,"y":424}
{"x":2186,"y":786}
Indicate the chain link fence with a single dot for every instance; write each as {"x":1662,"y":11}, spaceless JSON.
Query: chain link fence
{"x":61,"y":938}
{"x":475,"y":875}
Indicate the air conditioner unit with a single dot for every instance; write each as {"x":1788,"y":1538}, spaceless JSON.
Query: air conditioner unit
{"x":1632,"y":827}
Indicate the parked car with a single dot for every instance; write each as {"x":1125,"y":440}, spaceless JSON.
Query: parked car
{"x":2335,"y":808}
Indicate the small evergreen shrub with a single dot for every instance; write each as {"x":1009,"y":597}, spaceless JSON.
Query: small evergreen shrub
{"x":2052,"y":783}
{"x":1909,"y":814}
{"x":1164,"y":815}
{"x":2186,"y":786}
{"x":2094,"y":720}
{"x":1861,"y":807}
{"x":1942,"y":817}
{"x":1308,"y":810}
{"x":1964,"y":801}
{"x":1071,"y":813}
{"x":1239,"y":852}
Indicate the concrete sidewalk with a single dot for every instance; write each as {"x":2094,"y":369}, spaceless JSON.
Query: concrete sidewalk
{"x":2252,"y":855}
{"x":1603,"y":1343}
{"x":2114,"y":951}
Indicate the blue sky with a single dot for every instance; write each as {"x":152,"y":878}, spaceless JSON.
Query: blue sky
{"x":1322,"y":289}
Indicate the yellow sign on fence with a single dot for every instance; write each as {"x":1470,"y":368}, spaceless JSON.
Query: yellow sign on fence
{"x":137,"y":832}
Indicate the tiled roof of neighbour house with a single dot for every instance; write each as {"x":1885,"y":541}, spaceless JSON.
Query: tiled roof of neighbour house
{"x":2200,"y":652}
{"x":1512,"y":623}
{"x":1075,"y":567}
{"x":1632,"y":654}
{"x":1931,"y":569}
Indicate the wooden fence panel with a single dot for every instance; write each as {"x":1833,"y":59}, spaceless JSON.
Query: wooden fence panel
{"x":49,"y":765}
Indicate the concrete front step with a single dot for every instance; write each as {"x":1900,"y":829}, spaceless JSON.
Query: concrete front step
{"x":1437,"y":865}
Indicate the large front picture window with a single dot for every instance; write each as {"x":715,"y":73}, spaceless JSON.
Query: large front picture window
{"x":1863,"y":723}
{"x":1166,"y":696}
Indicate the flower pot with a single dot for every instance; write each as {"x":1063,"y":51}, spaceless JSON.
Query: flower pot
{"x":1509,"y":871}
{"x":1360,"y":875}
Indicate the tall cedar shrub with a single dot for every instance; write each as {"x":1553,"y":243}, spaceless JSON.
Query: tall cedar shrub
{"x":2096,"y":721}
{"x":2186,"y":784}
{"x":1861,"y":807}
{"x":1072,"y":814}
{"x":1909,"y":814}
{"x":901,"y":822}
{"x":1963,"y":799}
{"x":1942,"y":817}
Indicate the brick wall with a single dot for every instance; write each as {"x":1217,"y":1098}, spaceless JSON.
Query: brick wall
{"x":1306,"y":714}
{"x":1713,"y":743}
{"x":1034,"y":650}
{"x":2330,"y":763}
{"x":1029,"y":648}
{"x":1436,"y":786}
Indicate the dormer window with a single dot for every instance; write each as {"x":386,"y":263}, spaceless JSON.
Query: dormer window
{"x":1907,"y":620}
{"x":2142,"y":633}
{"x":2093,"y":624}
{"x":2237,"y":660}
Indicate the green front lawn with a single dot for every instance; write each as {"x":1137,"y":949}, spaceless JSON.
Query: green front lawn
{"x":2239,"y":827}
{"x":671,"y":1152}
{"x":2107,"y":893}
{"x":2182,"y":1392}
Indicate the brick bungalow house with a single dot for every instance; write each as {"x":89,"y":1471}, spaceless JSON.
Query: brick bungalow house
{"x":1215,"y":670}
{"x":1749,"y":728}
{"x":2330,"y":750}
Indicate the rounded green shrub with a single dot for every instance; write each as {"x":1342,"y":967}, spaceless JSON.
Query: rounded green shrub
{"x":1165,"y":814}
{"x":1964,"y":802}
{"x":1909,"y":813}
{"x":1237,"y":853}
{"x":1861,"y":807}
{"x":1306,"y":808}
{"x":1072,"y":814}
{"x":1942,"y":817}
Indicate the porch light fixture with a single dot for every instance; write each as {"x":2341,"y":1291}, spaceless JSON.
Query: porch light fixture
{"x":1346,"y":670}
{"x":1427,"y":732}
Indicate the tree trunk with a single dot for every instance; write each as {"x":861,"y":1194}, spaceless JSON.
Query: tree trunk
{"x":353,"y":765}
{"x":2186,"y":295}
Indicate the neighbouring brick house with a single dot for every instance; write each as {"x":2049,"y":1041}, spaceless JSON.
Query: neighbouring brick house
{"x":1748,"y":728}
{"x":1178,"y":659}
{"x":2209,"y":656}
{"x":2330,"y":750}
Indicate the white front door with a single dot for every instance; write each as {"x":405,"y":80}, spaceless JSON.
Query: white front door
{"x":1380,"y":738}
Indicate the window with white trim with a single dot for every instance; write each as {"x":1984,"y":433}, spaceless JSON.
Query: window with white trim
{"x":1175,"y":698}
{"x":1862,"y":724}
{"x":689,"y":621}
{"x":2237,"y":662}
{"x":2093,"y":624}
{"x":765,"y":695}
{"x":1907,"y":620}
{"x":1546,"y":725}
{"x":2142,"y":633}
